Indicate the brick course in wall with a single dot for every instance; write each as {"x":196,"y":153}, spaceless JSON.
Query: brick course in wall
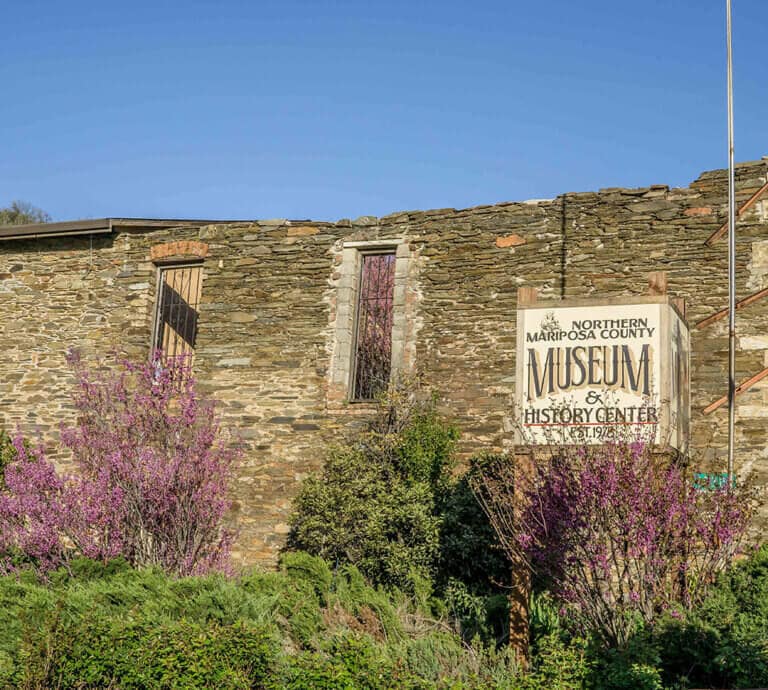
{"x":273,"y":296}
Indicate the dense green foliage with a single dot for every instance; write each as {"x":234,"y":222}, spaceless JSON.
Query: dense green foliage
{"x":721,"y":644}
{"x":363,"y":511}
{"x":724,"y":642}
{"x":308,"y":626}
{"x":375,"y":503}
{"x":469,"y":549}
{"x":388,"y":503}
{"x":303,"y":627}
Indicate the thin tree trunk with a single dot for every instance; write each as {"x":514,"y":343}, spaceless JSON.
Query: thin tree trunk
{"x":520,"y":597}
{"x":519,"y":602}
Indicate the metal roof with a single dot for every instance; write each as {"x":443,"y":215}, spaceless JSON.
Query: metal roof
{"x":97,"y":226}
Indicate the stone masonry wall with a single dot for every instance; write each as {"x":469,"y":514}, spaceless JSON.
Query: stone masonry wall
{"x":275,"y":295}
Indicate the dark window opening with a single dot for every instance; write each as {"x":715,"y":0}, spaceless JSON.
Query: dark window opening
{"x":178,"y":301}
{"x":373,"y":339}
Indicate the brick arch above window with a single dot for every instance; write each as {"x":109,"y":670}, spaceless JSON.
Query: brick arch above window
{"x":178,"y":250}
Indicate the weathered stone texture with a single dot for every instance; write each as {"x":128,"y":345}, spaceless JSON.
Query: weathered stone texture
{"x":272,"y":298}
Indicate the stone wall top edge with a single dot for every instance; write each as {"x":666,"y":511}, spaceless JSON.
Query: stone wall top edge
{"x":368,"y":223}
{"x":723,"y":172}
{"x":416,"y":215}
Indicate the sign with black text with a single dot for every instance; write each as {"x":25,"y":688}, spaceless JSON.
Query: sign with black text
{"x":588,"y":374}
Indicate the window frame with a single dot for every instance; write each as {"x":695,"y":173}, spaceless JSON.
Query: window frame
{"x":176,"y":264}
{"x":385,"y":250}
{"x":342,"y":300}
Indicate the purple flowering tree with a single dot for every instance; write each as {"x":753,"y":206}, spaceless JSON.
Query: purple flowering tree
{"x":31,"y":509}
{"x":152,"y":480}
{"x":619,"y":533}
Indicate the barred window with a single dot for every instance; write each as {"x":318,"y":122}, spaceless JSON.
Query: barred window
{"x":178,"y":300}
{"x":373,"y":335}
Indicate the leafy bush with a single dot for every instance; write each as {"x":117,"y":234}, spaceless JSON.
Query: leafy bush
{"x":307,"y":626}
{"x":483,"y":616}
{"x":724,"y":641}
{"x":153,"y":476}
{"x":375,"y":505}
{"x":557,"y":663}
{"x":141,"y":653}
{"x":469,"y":548}
{"x":720,"y":643}
{"x":387,"y":503}
{"x":109,"y":625}
{"x":635,"y":665}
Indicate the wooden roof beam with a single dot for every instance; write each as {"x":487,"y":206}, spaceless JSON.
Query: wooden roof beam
{"x":754,"y":297}
{"x":749,"y":203}
{"x":741,"y":388}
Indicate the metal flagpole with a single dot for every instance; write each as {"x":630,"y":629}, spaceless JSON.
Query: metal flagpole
{"x":731,"y":259}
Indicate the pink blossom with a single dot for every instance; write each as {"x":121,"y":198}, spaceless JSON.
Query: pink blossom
{"x":152,"y":481}
{"x":616,"y":529}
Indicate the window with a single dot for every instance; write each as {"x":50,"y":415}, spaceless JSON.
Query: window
{"x":373,"y":318}
{"x":178,"y":300}
{"x":373,"y":331}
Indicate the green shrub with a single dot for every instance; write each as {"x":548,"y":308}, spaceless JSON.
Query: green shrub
{"x":387,"y":502}
{"x":637,"y":665}
{"x":543,"y":616}
{"x":557,"y":663}
{"x":442,"y":660}
{"x":143,"y":653}
{"x":423,"y":447}
{"x":351,"y":662}
{"x":89,"y":570}
{"x":629,"y":677}
{"x":724,"y":642}
{"x":312,"y":671}
{"x":299,"y":565}
{"x":375,"y":503}
{"x":469,"y":547}
{"x":108,"y":625}
{"x":478,"y":616}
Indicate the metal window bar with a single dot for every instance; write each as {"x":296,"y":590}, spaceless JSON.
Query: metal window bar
{"x":373,"y":341}
{"x":177,"y":310}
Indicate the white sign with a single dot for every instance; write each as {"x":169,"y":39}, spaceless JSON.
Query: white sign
{"x":587,"y":374}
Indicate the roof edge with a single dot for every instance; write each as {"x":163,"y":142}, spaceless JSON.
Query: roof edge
{"x":34,"y":230}
{"x":98,"y":226}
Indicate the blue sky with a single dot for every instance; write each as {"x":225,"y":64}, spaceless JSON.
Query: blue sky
{"x":326,"y":110}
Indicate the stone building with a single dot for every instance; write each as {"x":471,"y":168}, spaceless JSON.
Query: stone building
{"x":273,"y":310}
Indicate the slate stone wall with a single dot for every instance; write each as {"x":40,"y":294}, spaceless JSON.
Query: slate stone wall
{"x":273,"y":292}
